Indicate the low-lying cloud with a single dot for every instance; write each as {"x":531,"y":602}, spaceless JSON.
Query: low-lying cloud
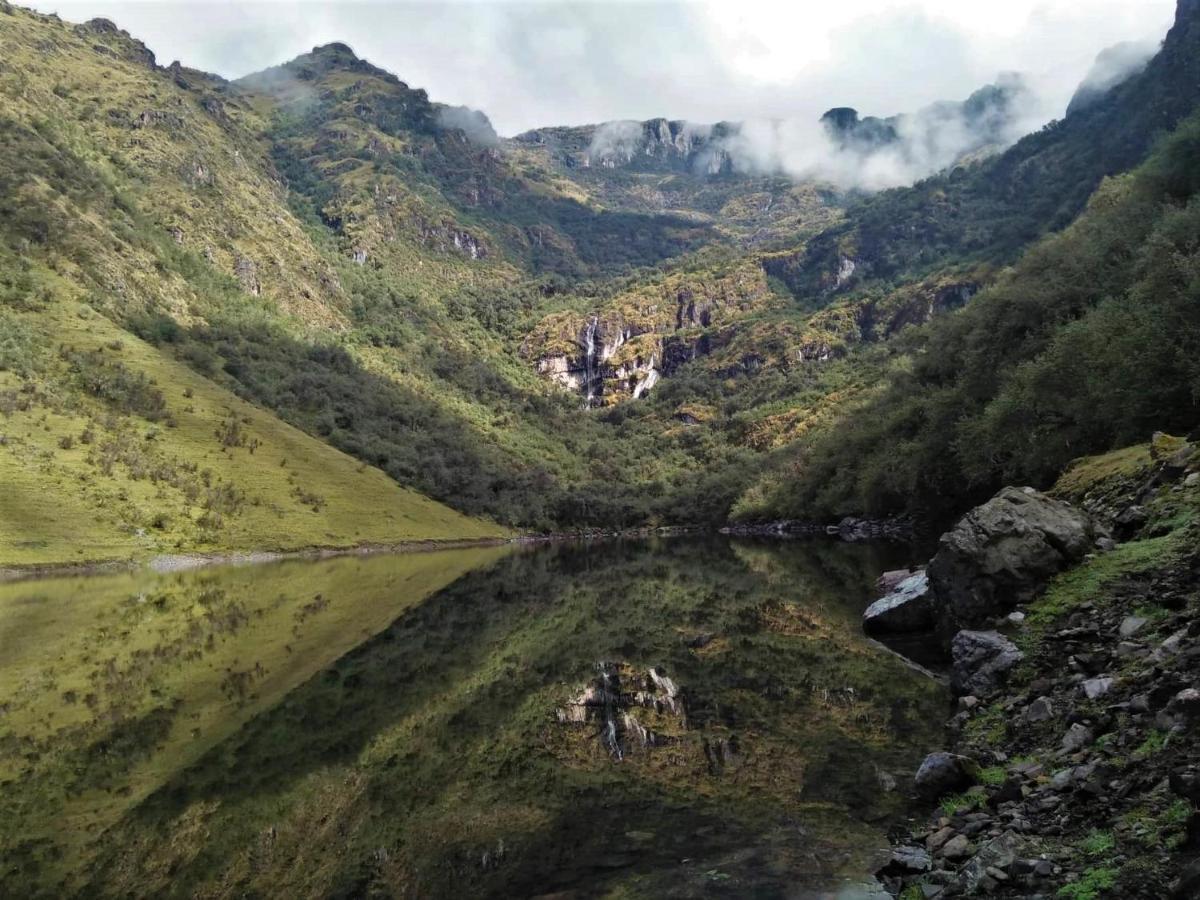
{"x":841,"y":148}
{"x":533,"y":63}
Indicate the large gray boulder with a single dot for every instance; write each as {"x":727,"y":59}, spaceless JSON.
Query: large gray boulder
{"x":1002,"y":554}
{"x":981,"y":662}
{"x":908,"y":607}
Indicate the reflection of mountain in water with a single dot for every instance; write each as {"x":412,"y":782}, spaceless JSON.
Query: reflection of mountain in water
{"x":431,"y":760}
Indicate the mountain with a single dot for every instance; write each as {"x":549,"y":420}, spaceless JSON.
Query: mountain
{"x":1113,"y":65}
{"x":991,"y":211}
{"x":578,"y":327}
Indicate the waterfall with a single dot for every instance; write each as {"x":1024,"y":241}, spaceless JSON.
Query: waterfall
{"x":649,"y":381}
{"x":589,"y":361}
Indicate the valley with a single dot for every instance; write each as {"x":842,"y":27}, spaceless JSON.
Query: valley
{"x":667,"y":405}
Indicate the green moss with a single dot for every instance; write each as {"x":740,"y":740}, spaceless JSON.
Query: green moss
{"x":1092,"y":885}
{"x":1086,"y":582}
{"x":1154,"y":743}
{"x":993,"y":776}
{"x":1097,"y":843}
{"x":969,"y":800}
{"x":1090,"y":472}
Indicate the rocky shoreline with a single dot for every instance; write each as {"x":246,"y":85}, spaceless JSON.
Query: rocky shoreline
{"x":1071,"y":765}
{"x":851,"y":528}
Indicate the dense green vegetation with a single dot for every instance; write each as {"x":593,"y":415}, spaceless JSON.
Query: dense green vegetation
{"x":314,"y":240}
{"x":1092,"y":341}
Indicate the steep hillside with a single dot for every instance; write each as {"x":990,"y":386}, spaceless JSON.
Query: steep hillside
{"x":386,"y":169}
{"x":111,"y":450}
{"x":525,"y":338}
{"x":1090,"y":342}
{"x":126,"y":192}
{"x":990,"y":211}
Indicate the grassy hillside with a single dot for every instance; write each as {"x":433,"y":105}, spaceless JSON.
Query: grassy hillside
{"x":110,"y":449}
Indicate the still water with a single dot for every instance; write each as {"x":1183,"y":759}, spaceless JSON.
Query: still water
{"x":671,"y":718}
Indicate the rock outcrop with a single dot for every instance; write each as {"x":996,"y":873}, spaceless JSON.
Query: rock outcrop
{"x":1001,"y":554}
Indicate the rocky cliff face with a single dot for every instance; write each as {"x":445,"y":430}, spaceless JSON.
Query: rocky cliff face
{"x":609,"y":361}
{"x":621,"y":351}
{"x":656,"y":145}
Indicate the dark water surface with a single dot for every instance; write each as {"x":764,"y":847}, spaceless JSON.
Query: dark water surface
{"x":672,"y":718}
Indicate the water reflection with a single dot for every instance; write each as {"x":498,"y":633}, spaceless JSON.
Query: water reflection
{"x":357,"y":728}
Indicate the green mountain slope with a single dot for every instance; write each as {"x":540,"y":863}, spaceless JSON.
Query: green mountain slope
{"x":1090,"y":342}
{"x":380,"y":272}
{"x":110,"y":450}
{"x":125,"y":194}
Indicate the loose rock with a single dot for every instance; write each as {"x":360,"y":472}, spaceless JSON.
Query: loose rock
{"x":982,"y":660}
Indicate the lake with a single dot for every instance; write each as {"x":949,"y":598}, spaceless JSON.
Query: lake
{"x":674,"y":717}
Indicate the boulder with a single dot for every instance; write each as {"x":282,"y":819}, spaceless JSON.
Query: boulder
{"x":909,"y":607}
{"x":1039,"y":710}
{"x":958,"y":847}
{"x":886,"y":583}
{"x":1001,"y":554}
{"x":1182,"y":711}
{"x":981,"y":661}
{"x":1188,"y":883}
{"x":943,"y":773}
{"x":1077,"y":737}
{"x":1131,"y":625}
{"x":993,"y":859}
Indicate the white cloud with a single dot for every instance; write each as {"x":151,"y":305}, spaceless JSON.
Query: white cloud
{"x":537,"y":63}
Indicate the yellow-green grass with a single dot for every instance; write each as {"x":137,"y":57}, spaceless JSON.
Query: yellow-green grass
{"x":59,"y":506}
{"x":1091,"y":471}
{"x":174,"y":663}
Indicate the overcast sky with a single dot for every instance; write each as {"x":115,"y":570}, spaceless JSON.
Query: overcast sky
{"x":529,"y":64}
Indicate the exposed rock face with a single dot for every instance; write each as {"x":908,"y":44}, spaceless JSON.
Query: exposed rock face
{"x":593,"y":369}
{"x":909,"y":606}
{"x":1003,"y":553}
{"x":449,"y":239}
{"x":246,"y":273}
{"x":655,"y":145}
{"x":982,"y":660}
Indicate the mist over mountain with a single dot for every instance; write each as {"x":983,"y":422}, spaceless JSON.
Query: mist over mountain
{"x":1113,"y":65}
{"x":840,"y":148}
